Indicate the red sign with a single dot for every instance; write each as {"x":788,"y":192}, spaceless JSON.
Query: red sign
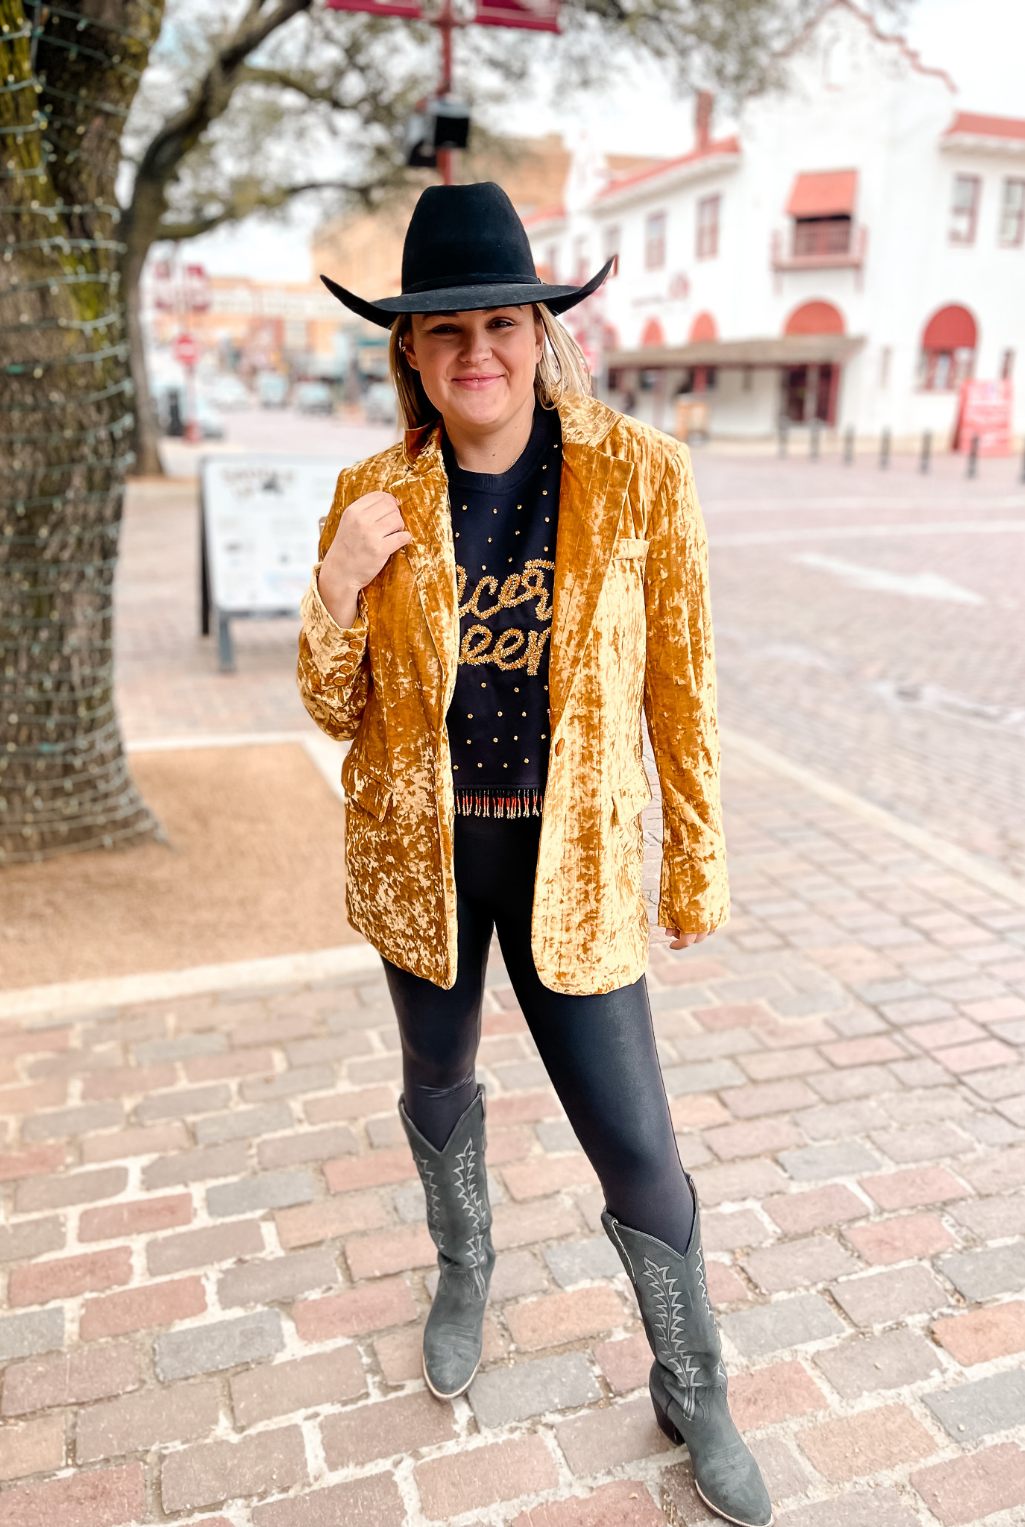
{"x":536,"y":15}
{"x":197,"y":289}
{"x":984,"y":411}
{"x":163,"y":286}
{"x":186,"y":350}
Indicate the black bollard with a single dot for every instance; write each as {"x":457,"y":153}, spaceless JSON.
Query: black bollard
{"x":973,"y":457}
{"x":813,"y":441}
{"x":923,"y":460}
{"x":884,"y":449}
{"x":848,"y":445}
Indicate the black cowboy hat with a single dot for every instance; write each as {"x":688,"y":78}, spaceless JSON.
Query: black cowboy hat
{"x":465,"y":250}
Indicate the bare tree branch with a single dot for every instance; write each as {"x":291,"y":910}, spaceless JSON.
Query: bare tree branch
{"x":266,"y":201}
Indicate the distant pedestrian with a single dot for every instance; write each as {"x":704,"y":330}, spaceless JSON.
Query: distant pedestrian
{"x":499,"y":599}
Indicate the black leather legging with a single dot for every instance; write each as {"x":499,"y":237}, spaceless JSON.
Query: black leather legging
{"x":599,"y":1051}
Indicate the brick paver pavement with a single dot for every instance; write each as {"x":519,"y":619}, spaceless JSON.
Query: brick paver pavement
{"x":868,"y":625}
{"x":216,"y":1263}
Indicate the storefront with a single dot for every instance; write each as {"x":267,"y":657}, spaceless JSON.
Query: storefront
{"x":749,"y":385}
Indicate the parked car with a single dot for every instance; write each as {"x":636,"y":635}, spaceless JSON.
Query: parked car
{"x":227,"y":391}
{"x":314,"y":398}
{"x":210,"y":423}
{"x":272,"y":389}
{"x":380,"y":405}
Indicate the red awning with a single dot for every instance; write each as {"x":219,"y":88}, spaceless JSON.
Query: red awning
{"x":951,"y":328}
{"x":824,"y":193}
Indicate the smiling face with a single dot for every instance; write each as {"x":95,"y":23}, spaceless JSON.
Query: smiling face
{"x":477,"y":369}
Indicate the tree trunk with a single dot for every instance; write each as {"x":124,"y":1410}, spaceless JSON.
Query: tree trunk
{"x":145,"y":430}
{"x":65,"y":421}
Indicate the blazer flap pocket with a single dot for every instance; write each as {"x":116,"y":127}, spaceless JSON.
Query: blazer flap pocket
{"x":630,"y":548}
{"x":631,"y":797}
{"x":369,"y":793}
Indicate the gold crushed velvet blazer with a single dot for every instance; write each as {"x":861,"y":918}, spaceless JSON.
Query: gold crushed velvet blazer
{"x":631,"y":629}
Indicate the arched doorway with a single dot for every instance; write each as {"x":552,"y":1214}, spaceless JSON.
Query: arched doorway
{"x":703,"y":327}
{"x":815,"y":318}
{"x":654,"y":334}
{"x":949,"y":342}
{"x":810,"y":392}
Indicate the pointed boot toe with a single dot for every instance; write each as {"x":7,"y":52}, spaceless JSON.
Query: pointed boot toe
{"x":726,"y":1475}
{"x":453,"y":1339}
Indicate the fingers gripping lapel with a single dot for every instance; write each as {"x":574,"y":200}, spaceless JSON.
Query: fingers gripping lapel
{"x":459,"y":1221}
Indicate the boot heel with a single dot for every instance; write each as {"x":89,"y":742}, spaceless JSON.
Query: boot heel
{"x":665,"y":1425}
{"x":659,"y":1405}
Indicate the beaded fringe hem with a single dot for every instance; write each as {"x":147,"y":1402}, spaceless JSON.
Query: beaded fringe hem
{"x":499,"y":803}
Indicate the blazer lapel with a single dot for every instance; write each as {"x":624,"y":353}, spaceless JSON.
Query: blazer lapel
{"x":422,"y":494}
{"x":592,"y":493}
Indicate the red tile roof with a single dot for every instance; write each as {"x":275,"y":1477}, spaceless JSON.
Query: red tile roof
{"x":551,"y":214}
{"x":720,"y":146}
{"x":986,"y":127}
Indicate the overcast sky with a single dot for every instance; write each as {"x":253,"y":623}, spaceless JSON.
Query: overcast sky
{"x":981,"y":44}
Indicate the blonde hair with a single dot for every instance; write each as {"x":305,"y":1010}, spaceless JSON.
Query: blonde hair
{"x":561,"y":372}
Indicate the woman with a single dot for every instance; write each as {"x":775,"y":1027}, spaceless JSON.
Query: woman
{"x":498,"y":600}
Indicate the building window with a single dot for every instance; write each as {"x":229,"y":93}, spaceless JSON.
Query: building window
{"x":655,"y":241}
{"x":708,"y":227}
{"x":948,"y":350}
{"x":964,"y":211}
{"x":1007,"y":366}
{"x":822,"y":236}
{"x":1012,"y":213}
{"x":611,"y":240}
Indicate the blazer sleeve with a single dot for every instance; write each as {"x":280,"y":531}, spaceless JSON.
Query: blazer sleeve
{"x":680,"y":706}
{"x":334,"y":665}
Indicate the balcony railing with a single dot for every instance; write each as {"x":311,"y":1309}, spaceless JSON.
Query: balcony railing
{"x":816,"y":246}
{"x":828,"y":238}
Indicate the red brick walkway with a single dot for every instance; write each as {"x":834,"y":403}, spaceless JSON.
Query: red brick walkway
{"x":216,"y":1262}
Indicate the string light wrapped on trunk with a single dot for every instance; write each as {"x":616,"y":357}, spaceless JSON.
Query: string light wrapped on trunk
{"x":66,"y":399}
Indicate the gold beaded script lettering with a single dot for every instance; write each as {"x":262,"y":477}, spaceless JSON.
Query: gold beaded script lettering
{"x":513,"y":648}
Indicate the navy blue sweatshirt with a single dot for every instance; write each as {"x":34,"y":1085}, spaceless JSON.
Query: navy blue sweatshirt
{"x":504,"y":527}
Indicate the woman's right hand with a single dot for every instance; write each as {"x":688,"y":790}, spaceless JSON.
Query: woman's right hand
{"x":370,"y":529}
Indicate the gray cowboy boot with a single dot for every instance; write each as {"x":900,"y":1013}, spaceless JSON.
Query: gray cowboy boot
{"x":688,"y":1379}
{"x":459,"y":1219}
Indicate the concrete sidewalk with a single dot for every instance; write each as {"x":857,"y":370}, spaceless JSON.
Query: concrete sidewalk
{"x":216,"y":1263}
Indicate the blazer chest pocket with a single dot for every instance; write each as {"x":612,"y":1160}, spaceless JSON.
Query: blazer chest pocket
{"x":628,"y":548}
{"x":367,"y":791}
{"x":631,"y":796}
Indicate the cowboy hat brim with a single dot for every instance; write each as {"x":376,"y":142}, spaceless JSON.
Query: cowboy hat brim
{"x":468,"y":298}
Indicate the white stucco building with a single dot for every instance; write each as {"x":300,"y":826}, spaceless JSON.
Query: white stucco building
{"x":849,"y":256}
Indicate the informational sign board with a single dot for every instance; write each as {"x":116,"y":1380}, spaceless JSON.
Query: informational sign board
{"x":261,"y":519}
{"x":985,"y":411}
